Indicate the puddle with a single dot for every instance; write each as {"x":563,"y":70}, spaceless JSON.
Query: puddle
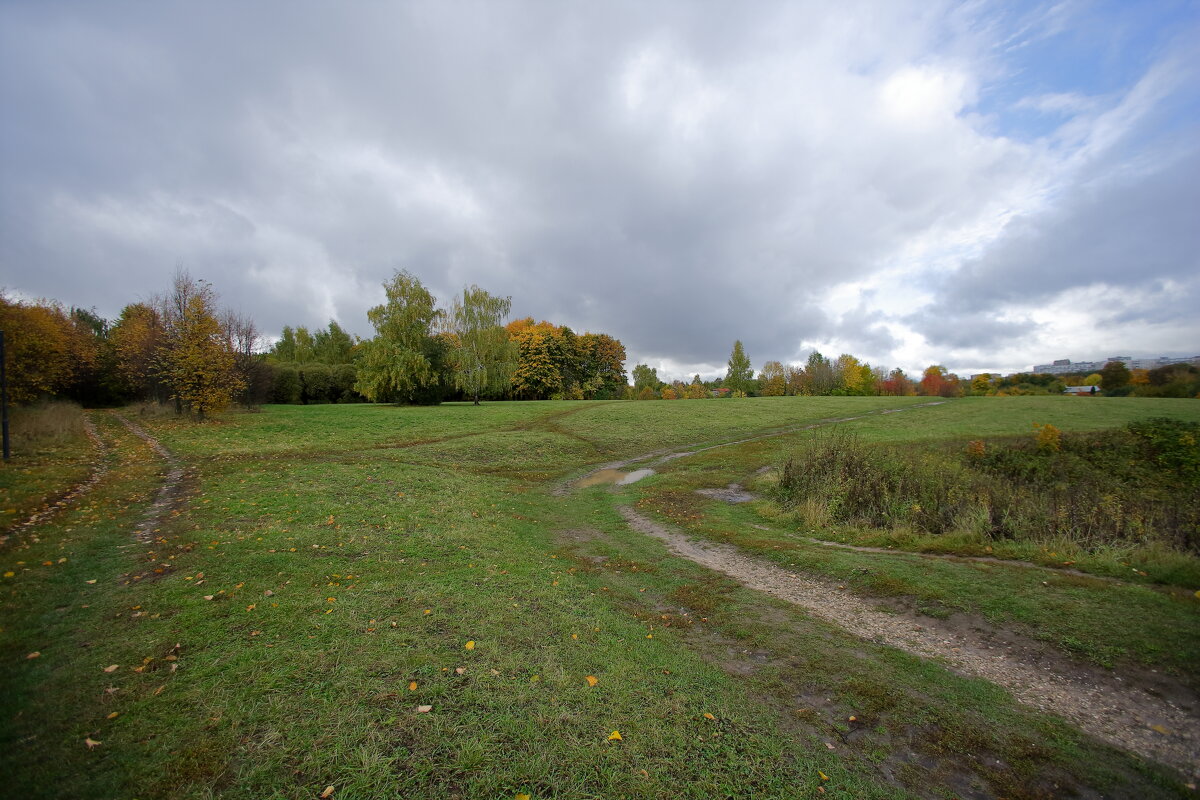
{"x":613,"y":476}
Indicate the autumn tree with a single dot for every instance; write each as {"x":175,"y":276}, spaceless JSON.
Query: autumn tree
{"x":539,"y":354}
{"x":937,"y":382}
{"x":898,"y":384}
{"x":772,"y":379}
{"x":602,"y":365}
{"x":37,"y":341}
{"x":484,"y":358}
{"x":740,"y":375}
{"x":136,"y":339}
{"x":196,"y":360}
{"x":403,"y":362}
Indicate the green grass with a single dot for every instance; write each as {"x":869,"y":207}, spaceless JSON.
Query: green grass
{"x":359,"y":519}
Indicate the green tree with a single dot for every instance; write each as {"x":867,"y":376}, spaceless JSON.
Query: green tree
{"x":332,"y":345}
{"x":284,"y":350}
{"x":1114,"y":375}
{"x":645,"y":377}
{"x":401,"y":364}
{"x":484,"y":358}
{"x":740,"y":376}
{"x":819,"y":374}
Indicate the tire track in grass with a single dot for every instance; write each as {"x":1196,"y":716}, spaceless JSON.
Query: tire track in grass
{"x":1100,"y":704}
{"x":99,"y":470}
{"x":664,"y":455}
{"x":168,"y":493}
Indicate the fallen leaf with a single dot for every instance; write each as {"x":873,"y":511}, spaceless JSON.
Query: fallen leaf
{"x":824,"y":777}
{"x":252,"y":606}
{"x":576,"y":635}
{"x":521,"y":797}
{"x":112,"y":667}
{"x":615,"y":736}
{"x":459,"y":670}
{"x":854,"y":719}
{"x":412,"y":686}
{"x":708,"y":715}
{"x":1159,"y":729}
{"x":89,"y":582}
{"x":159,"y":690}
{"x":90,"y":742}
{"x":470,"y":645}
{"x":208,"y":597}
{"x":592,"y":680}
{"x":427,"y":611}
{"x":327,"y":793}
{"x":424,"y":709}
{"x":34,"y":654}
{"x":114,"y":715}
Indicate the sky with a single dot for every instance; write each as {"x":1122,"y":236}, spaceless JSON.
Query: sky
{"x":983,"y":185}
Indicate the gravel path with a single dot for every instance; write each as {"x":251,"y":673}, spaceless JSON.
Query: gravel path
{"x":170,"y":490}
{"x":1099,"y":703}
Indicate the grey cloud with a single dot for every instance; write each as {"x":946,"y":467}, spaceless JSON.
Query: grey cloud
{"x":678,"y":175}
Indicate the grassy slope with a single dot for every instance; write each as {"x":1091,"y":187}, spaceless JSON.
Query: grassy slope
{"x":360,"y":519}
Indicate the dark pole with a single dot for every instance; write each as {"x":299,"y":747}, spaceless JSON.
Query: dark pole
{"x":4,"y":395}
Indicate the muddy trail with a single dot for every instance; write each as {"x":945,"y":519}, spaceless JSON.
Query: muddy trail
{"x":99,"y":469}
{"x":169,"y":493}
{"x":1157,"y":722}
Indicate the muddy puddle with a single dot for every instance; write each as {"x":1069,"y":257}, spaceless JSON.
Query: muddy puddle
{"x":613,"y":476}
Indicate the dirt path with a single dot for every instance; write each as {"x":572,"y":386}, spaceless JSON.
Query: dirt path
{"x":656,"y":457}
{"x":168,"y":493}
{"x":1100,"y":703}
{"x":99,"y":470}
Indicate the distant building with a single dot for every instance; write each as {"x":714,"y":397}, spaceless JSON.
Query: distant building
{"x":1064,"y":365}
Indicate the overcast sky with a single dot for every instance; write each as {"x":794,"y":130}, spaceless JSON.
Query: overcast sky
{"x":985,"y":185}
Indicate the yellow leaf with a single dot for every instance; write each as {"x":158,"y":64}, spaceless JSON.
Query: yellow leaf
{"x":428,"y":611}
{"x":576,"y":635}
{"x":521,"y":797}
{"x":327,"y":793}
{"x":708,"y":715}
{"x":112,"y":667}
{"x":615,"y":736}
{"x":470,"y":645}
{"x":412,"y":686}
{"x":10,"y":573}
{"x":592,"y":680}
{"x":90,"y":742}
{"x":1159,"y":729}
{"x":114,"y":715}
{"x":824,"y":777}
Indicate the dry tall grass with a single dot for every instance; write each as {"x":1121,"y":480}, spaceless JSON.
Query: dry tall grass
{"x":44,"y":424}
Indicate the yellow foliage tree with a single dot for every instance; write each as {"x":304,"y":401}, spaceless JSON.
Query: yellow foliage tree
{"x":196,"y":360}
{"x":40,"y":358}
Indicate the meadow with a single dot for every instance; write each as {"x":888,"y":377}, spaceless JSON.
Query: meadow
{"x":368,"y":601}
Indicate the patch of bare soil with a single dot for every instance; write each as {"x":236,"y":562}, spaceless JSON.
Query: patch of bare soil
{"x":169,"y":493}
{"x":99,"y":470}
{"x":1157,"y":722}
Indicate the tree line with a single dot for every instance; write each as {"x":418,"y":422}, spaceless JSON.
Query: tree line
{"x":181,"y":347}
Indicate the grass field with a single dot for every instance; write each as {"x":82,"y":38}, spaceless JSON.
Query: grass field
{"x":334,"y":569}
